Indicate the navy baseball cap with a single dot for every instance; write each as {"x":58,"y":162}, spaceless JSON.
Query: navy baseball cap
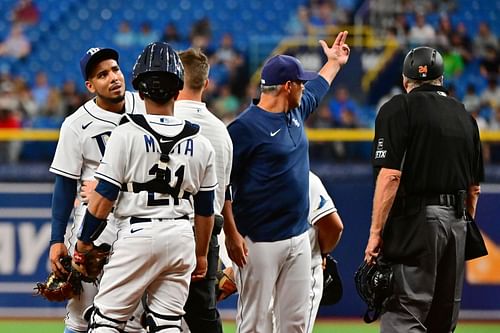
{"x":93,"y":56}
{"x":282,"y":68}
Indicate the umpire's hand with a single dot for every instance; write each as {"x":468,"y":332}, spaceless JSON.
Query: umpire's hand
{"x":201,"y":268}
{"x":373,"y":247}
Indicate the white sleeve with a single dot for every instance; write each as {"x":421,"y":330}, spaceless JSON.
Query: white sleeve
{"x":320,"y":202}
{"x":209,"y":181}
{"x":113,"y":165}
{"x":229,"y":162}
{"x":68,"y":158}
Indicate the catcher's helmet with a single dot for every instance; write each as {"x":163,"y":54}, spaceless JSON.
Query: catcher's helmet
{"x":158,"y":72}
{"x":423,"y":63}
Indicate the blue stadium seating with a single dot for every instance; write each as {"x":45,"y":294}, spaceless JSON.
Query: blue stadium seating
{"x":68,"y":28}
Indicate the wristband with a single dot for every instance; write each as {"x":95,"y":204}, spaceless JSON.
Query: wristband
{"x":91,"y":228}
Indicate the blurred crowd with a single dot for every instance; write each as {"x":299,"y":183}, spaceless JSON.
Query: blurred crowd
{"x":472,"y":66}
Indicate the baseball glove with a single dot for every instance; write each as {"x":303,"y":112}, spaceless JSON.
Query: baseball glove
{"x":332,"y":284}
{"x":90,"y":263}
{"x":58,"y":289}
{"x":225,"y":285}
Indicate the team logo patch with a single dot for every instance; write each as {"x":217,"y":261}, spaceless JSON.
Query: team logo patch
{"x":322,"y":201}
{"x":93,"y":50}
{"x":380,"y":144}
{"x":422,"y":70}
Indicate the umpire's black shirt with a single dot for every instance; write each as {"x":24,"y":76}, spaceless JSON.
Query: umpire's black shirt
{"x":432,"y":139}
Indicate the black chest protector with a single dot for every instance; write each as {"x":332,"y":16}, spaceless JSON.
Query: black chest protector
{"x":161,"y":184}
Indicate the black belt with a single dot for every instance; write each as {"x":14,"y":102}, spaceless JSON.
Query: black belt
{"x":449,"y":200}
{"x":134,"y":219}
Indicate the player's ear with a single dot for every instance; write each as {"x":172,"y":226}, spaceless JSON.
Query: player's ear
{"x":405,"y":83}
{"x":205,"y":86}
{"x":90,"y":87}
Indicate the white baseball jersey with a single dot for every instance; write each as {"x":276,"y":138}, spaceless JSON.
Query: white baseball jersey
{"x":84,"y":135}
{"x":80,"y":148}
{"x":216,"y":132}
{"x":132,"y":155}
{"x":320,"y":204}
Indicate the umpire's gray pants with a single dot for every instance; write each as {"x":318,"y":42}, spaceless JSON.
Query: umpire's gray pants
{"x":427,"y":296}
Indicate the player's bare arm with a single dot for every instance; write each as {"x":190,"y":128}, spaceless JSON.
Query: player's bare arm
{"x":385,"y":192}
{"x":330,"y":229}
{"x":337,"y":56}
{"x":472,"y":199}
{"x":235,"y":243}
{"x":57,"y":251}
{"x":203,"y":226}
{"x":87,"y":188}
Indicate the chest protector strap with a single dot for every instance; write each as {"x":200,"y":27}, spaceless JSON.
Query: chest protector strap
{"x":160,"y":184}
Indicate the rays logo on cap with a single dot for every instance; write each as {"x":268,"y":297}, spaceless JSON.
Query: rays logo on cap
{"x":93,"y":50}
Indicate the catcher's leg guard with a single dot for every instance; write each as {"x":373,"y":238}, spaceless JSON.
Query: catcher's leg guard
{"x":101,"y":323}
{"x":156,"y":322}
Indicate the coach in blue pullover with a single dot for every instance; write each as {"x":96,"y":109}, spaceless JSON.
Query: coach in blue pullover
{"x":270,"y":183}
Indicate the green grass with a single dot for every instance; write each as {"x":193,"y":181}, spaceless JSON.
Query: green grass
{"x":341,"y":326}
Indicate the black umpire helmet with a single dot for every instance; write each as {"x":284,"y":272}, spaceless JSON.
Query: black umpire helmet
{"x":423,"y":63}
{"x":158,"y":72}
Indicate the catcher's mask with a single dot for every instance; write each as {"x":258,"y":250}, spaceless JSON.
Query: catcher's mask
{"x":374,"y":285}
{"x":158,"y":72}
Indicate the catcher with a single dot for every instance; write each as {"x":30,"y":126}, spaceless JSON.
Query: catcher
{"x":153,"y":165}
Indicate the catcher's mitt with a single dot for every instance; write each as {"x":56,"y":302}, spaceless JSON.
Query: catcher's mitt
{"x":90,"y":263}
{"x":225,"y":285}
{"x":57,"y":289}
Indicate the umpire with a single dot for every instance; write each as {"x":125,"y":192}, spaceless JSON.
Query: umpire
{"x":428,"y":165}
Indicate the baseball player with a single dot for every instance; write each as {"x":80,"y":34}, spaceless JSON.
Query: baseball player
{"x":80,"y":148}
{"x":324,"y":235}
{"x":201,"y":312}
{"x":153,"y":165}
